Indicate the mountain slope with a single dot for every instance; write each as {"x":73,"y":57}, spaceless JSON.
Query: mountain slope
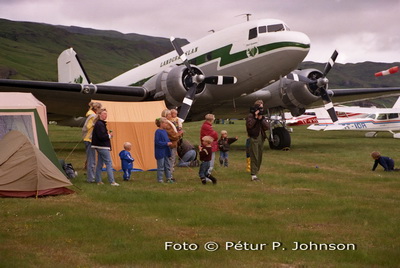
{"x":30,"y":50}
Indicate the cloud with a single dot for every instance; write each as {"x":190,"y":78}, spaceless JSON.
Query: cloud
{"x":361,"y":30}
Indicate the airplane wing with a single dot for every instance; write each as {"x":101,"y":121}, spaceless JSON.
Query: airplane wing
{"x":350,"y":94}
{"x":69,"y":99}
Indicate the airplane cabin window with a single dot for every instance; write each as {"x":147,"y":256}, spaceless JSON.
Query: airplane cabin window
{"x":252,"y":33}
{"x":392,"y":116}
{"x":382,"y":116}
{"x":262,"y":29}
{"x":276,"y":28}
{"x":372,"y":116}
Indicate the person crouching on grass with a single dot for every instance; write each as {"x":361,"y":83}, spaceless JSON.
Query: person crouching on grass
{"x":205,"y":153}
{"x":162,"y":150}
{"x":386,"y":162}
{"x":126,"y":161}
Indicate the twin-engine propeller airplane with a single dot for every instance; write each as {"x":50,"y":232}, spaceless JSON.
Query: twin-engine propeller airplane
{"x":222,"y":73}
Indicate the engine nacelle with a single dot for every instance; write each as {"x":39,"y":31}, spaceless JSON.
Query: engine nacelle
{"x":173,"y":83}
{"x":296,"y":95}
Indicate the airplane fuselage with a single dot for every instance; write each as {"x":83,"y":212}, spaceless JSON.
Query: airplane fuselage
{"x":257,"y":53}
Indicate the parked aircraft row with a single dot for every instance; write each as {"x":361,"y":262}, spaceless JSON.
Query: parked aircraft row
{"x":222,"y":73}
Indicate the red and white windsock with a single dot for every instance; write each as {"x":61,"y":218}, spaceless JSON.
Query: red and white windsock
{"x":392,"y":70}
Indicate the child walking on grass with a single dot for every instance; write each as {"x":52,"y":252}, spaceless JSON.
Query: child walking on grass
{"x":205,"y":153}
{"x":224,"y":145}
{"x":126,"y":161}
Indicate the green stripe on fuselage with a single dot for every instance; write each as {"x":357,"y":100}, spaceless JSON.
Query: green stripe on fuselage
{"x":227,"y":58}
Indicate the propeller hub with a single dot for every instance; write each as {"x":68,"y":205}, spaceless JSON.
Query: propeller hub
{"x":322,"y":81}
{"x":198,"y":79}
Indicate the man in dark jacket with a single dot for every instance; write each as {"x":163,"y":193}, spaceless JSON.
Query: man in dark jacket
{"x":186,"y":153}
{"x":102,"y":144}
{"x":256,"y":125}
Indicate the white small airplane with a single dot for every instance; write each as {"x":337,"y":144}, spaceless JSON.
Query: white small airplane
{"x":374,"y":120}
{"x":222,"y":73}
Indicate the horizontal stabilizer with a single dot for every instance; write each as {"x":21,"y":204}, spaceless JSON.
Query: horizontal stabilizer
{"x":316,"y":127}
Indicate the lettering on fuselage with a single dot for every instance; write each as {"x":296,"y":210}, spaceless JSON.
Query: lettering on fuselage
{"x":356,"y":126}
{"x":171,"y":60}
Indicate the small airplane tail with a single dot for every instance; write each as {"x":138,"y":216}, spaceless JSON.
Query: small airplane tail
{"x":397,"y":104}
{"x":70,"y":69}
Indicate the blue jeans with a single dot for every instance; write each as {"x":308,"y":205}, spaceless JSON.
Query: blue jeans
{"x":163,"y":166}
{"x":90,"y":161}
{"x":223,"y":158}
{"x":204,"y":167}
{"x":187,"y":158}
{"x":104,"y":157}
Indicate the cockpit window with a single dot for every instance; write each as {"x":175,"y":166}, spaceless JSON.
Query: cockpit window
{"x":276,"y":28}
{"x":372,"y":116}
{"x":252,"y":33}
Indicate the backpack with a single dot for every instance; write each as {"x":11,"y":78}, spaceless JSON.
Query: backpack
{"x":70,"y":171}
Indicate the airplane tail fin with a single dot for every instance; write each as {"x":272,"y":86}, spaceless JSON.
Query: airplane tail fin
{"x":397,"y":104}
{"x":70,"y":69}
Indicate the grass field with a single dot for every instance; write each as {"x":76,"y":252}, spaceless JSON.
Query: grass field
{"x":321,"y":192}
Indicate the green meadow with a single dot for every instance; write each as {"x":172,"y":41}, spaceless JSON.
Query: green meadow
{"x":317,"y":205}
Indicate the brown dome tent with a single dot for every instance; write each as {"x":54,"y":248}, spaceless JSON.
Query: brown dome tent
{"x":25,"y":171}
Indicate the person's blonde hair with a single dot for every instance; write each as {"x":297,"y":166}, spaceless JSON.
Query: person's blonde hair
{"x":127,"y":144}
{"x":209,"y":117}
{"x":165,"y":112}
{"x":208,"y":139}
{"x":95,"y":106}
{"x":375,"y":155}
{"x":259,"y":102}
{"x":224,"y":132}
{"x":160,"y":120}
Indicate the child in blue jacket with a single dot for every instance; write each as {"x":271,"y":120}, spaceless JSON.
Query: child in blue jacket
{"x":162,"y":150}
{"x":126,"y":161}
{"x":386,"y":162}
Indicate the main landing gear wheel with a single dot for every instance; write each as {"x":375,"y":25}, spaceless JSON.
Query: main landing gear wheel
{"x":281,"y":139}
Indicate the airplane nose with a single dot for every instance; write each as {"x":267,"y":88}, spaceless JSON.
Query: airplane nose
{"x":301,"y":38}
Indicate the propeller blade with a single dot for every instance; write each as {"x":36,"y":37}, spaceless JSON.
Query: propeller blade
{"x":187,"y":103}
{"x":180,"y":52}
{"x":220,"y":80}
{"x":328,"y":104}
{"x":330,"y":63}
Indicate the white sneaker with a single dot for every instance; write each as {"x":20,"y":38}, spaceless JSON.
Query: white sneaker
{"x":114,"y":184}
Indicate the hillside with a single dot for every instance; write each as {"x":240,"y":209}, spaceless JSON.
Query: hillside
{"x":30,"y":50}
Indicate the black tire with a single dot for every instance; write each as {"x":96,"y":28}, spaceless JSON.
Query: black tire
{"x":282,"y":139}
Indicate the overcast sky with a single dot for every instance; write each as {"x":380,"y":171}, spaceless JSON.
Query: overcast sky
{"x":361,"y":30}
